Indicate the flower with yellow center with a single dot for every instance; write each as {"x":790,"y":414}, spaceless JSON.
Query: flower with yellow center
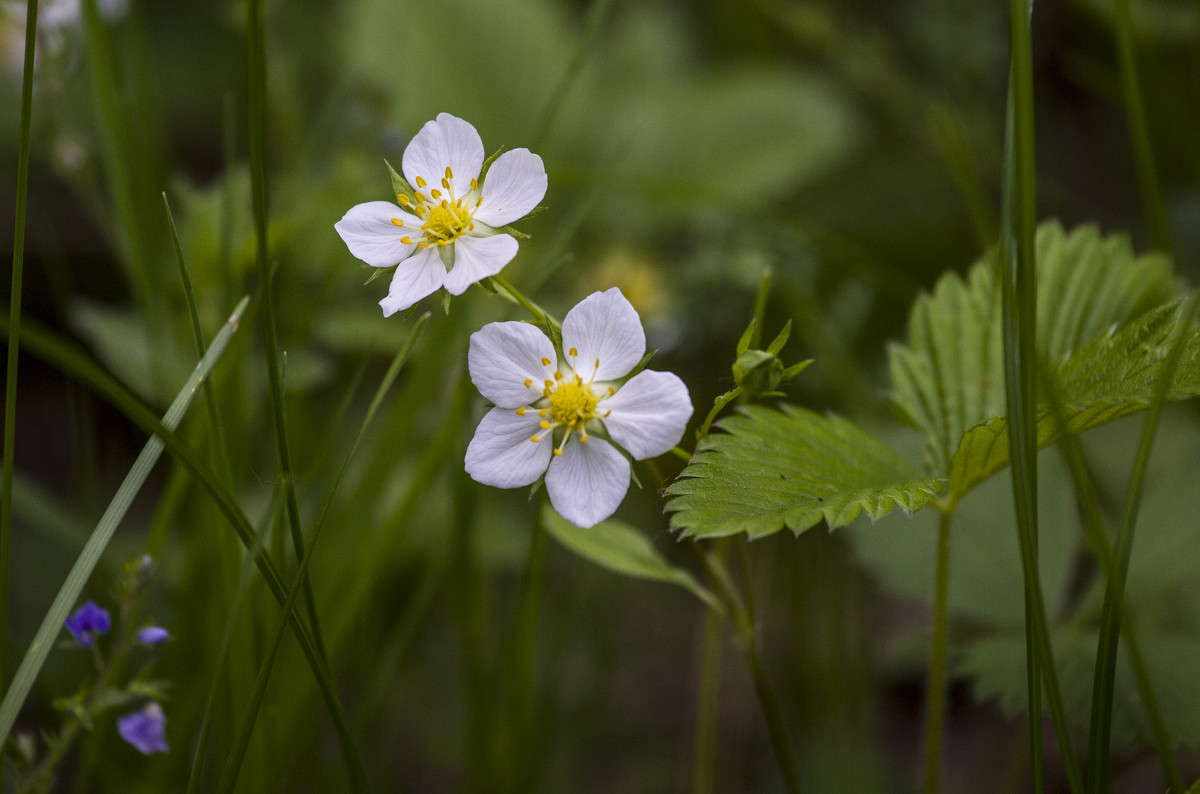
{"x":547,"y":412}
{"x":448,"y":232}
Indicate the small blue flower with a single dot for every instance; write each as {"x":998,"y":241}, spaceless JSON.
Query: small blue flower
{"x":153,"y":635}
{"x":145,"y":729}
{"x":88,"y":622}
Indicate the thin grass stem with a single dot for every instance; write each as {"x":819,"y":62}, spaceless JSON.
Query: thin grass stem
{"x":73,"y":585}
{"x":14,"y":327}
{"x":59,"y":354}
{"x":1139,"y":129}
{"x":1104,"y":678}
{"x":256,"y":79}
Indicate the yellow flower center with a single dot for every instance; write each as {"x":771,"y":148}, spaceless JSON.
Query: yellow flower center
{"x":446,"y":221}
{"x":445,"y":217}
{"x":572,"y":404}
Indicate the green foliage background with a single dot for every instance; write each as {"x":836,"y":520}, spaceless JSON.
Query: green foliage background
{"x":853,"y":148}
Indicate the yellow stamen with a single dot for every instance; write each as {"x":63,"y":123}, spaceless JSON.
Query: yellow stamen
{"x":544,"y":425}
{"x":528,"y":383}
{"x":403,"y":199}
{"x":558,"y":452}
{"x":398,"y":222}
{"x":420,"y":197}
{"x":406,"y":240}
{"x":574,"y":352}
{"x":534,"y":439}
{"x":446,"y":184}
{"x":521,"y":411}
{"x":421,"y":182}
{"x":558,"y":376}
{"x":545,"y":361}
{"x":435,"y":193}
{"x":449,"y":173}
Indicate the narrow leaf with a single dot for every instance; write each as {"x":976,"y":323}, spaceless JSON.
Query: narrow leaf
{"x":621,"y":548}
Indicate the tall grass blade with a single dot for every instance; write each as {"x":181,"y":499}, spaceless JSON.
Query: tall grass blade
{"x":595,"y":20}
{"x":46,"y":346}
{"x":68,"y":594}
{"x":242,"y":742}
{"x":210,"y":701}
{"x":1019,"y":329}
{"x":1139,"y":130}
{"x":14,"y":325}
{"x":256,"y":80}
{"x":1104,"y":678}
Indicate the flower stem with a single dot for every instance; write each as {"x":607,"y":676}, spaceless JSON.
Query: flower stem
{"x":540,"y":315}
{"x":740,"y":612}
{"x":704,"y":768}
{"x":936,"y":695}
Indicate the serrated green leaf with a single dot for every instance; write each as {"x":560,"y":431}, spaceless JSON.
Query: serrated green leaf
{"x":1108,"y":378}
{"x":949,"y":377}
{"x":793,"y":467}
{"x":621,"y":548}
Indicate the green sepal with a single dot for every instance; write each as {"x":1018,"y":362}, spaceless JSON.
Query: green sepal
{"x":515,"y":232}
{"x":487,"y":164}
{"x":445,"y":302}
{"x":744,"y":342}
{"x":400,"y":185}
{"x":379,"y":272}
{"x":555,"y":333}
{"x":641,"y":365}
{"x":487,"y":284}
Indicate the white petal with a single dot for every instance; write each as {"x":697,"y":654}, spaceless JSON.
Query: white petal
{"x":513,"y":186}
{"x":417,"y":276}
{"x":501,"y":453}
{"x":476,"y":258}
{"x":588,"y":481}
{"x":603,"y":326}
{"x":371,"y":236}
{"x":649,"y":413}
{"x":446,"y":141}
{"x":503,"y":356}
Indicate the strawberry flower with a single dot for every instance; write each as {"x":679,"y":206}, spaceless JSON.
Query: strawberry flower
{"x":558,"y":414}
{"x":448,"y":232}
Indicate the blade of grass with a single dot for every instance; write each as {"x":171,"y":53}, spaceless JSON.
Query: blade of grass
{"x":46,"y":346}
{"x":69,"y":592}
{"x":220,"y":450}
{"x":1104,"y":678}
{"x":704,"y":764}
{"x":242,"y":742}
{"x":1097,"y":534}
{"x":256,"y":79}
{"x":595,"y":20}
{"x":1019,"y":301}
{"x":14,"y":324}
{"x":1139,"y":130}
{"x":227,"y":639}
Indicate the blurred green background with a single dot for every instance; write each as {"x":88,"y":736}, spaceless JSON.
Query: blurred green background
{"x":851,"y":147}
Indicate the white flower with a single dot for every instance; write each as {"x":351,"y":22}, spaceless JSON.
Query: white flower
{"x":545,"y":409}
{"x":448,"y":234}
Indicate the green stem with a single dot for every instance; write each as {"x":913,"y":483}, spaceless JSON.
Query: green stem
{"x":740,"y":612}
{"x":256,"y":79}
{"x":935,"y":708}
{"x":1139,"y":130}
{"x":540,"y":315}
{"x":1098,"y":538}
{"x":1104,"y":679}
{"x":707,"y":701}
{"x":522,"y":677}
{"x":14,"y":327}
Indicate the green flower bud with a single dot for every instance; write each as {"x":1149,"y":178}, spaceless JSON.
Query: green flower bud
{"x":758,"y":372}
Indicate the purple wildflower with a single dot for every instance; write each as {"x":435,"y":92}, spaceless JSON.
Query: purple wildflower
{"x":88,"y":622}
{"x":153,"y":635}
{"x":145,"y":729}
